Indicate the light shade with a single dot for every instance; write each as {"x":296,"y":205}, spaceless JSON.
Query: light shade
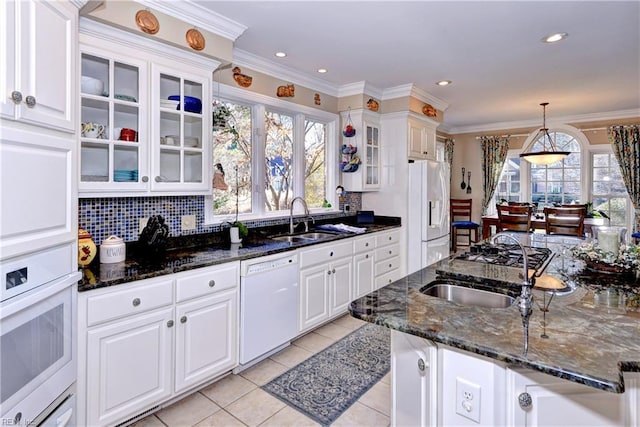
{"x":544,"y":157}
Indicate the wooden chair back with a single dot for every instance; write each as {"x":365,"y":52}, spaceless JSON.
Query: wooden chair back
{"x":514,"y":218}
{"x":461,"y":223}
{"x":568,"y":221}
{"x":460,"y":209}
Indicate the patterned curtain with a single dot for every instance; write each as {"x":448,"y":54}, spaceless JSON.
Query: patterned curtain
{"x":494,"y":154}
{"x":448,"y":154}
{"x":626,"y":147}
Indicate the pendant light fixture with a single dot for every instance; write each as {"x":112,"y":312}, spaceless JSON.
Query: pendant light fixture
{"x":546,"y":156}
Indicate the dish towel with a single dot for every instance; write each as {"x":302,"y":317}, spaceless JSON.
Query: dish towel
{"x":342,"y":228}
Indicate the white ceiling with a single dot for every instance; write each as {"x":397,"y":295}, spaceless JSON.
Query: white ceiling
{"x":492,"y":52}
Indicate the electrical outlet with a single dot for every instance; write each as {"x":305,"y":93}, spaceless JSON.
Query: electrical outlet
{"x":347,"y":207}
{"x":142,"y":224}
{"x":468,"y":399}
{"x":188,"y":222}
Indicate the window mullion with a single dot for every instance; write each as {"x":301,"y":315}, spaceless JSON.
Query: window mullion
{"x":299,"y":165}
{"x":257,"y":160}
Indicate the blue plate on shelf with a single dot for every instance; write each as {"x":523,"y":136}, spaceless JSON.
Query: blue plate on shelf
{"x":191,"y":104}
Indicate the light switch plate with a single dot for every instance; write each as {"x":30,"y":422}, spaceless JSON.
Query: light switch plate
{"x":188,"y":222}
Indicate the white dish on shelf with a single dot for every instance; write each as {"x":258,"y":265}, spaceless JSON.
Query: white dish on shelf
{"x":91,"y":86}
{"x":191,"y":141}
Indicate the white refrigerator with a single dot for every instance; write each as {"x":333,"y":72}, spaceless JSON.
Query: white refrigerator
{"x":428,"y":214}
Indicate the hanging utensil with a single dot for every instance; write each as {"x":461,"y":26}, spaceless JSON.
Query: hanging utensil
{"x":463,"y":185}
{"x":469,"y":182}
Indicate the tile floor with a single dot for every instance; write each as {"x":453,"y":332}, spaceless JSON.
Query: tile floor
{"x":238,"y":400}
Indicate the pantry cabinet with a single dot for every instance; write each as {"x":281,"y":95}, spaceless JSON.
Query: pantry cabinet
{"x":365,"y":175}
{"x":37,"y":62}
{"x":164,"y":110}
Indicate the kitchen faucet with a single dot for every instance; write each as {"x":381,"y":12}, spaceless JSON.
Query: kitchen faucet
{"x":306,"y":213}
{"x":526,"y":298}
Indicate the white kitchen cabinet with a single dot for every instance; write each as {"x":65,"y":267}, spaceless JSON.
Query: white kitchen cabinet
{"x":363,"y":279}
{"x":368,"y":141}
{"x":108,"y":163}
{"x":422,"y":139}
{"x":37,"y":62}
{"x":537,"y":399}
{"x":326,"y":277}
{"x":387,"y":258}
{"x":414,"y":380}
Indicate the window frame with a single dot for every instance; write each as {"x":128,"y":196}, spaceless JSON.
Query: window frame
{"x":259,"y":105}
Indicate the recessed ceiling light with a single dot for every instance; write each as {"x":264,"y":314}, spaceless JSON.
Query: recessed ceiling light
{"x":280,"y":54}
{"x":444,"y":83}
{"x":555,"y":37}
{"x":322,"y":70}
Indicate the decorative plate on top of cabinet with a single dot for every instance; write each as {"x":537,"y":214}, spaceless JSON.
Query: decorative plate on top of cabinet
{"x":147,"y":22}
{"x":195,"y":39}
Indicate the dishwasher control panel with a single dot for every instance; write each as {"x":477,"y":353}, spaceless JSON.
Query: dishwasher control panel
{"x":259,"y":265}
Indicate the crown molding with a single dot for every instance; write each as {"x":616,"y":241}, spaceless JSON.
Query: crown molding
{"x":411,"y":90}
{"x":359,"y":88}
{"x":582,"y":118}
{"x":199,"y":16}
{"x":265,"y":66}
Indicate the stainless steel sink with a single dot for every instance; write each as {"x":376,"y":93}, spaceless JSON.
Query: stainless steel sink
{"x":290,"y":239}
{"x":304,"y":237}
{"x":315,"y":235}
{"x":467,"y":296}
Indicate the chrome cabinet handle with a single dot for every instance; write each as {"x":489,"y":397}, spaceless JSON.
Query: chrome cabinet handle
{"x":136,"y":302}
{"x":30,"y":101}
{"x":524,"y":400}
{"x":16,"y":97}
{"x":145,"y":179}
{"x":183,"y":319}
{"x":169,"y":323}
{"x":212,"y":283}
{"x":421,"y":364}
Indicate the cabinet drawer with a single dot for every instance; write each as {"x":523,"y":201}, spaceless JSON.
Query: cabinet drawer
{"x":362,"y":244}
{"x":325,"y":253}
{"x":387,"y":238}
{"x":133,"y":299}
{"x":207,"y":281}
{"x":387,"y":278}
{"x":387,"y":252}
{"x":387,"y":265}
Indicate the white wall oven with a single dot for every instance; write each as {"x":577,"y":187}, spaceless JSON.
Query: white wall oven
{"x":37,"y":338}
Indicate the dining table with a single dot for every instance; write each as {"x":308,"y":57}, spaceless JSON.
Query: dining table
{"x":537,"y":223}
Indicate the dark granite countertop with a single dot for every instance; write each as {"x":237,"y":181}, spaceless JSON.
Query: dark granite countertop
{"x":203,"y":250}
{"x":593,"y":325}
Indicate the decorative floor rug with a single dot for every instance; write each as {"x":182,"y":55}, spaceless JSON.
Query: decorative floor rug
{"x":328,"y":383}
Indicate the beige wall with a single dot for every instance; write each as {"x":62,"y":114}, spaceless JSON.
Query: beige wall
{"x":467,"y":154}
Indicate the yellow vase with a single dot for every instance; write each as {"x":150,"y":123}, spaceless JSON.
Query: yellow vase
{"x":86,"y":248}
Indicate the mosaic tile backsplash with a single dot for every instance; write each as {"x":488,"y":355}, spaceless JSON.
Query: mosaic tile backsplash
{"x":120,"y":216}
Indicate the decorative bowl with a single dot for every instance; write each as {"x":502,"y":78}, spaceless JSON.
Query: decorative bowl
{"x":91,"y":86}
{"x":191,"y":104}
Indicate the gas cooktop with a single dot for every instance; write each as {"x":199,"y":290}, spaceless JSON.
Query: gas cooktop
{"x":508,"y":255}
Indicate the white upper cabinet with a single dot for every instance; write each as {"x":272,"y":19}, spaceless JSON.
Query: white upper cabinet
{"x":37,"y":62}
{"x":360,"y":158}
{"x":422,"y":140}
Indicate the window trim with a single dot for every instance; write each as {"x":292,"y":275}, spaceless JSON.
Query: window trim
{"x":260,"y":103}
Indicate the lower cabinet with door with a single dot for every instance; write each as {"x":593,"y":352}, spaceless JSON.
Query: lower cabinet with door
{"x":139,"y":346}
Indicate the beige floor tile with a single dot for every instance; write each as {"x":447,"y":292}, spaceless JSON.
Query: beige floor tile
{"x":291,"y":356}
{"x":333,"y":331}
{"x":230,"y":388}
{"x":255,"y":407}
{"x":289,"y":417}
{"x":360,"y":415}
{"x":313,"y":342}
{"x":221,"y":419}
{"x":349,"y":322}
{"x":188,"y":411}
{"x":264,"y":372}
{"x":378,"y":397}
{"x":386,"y":379}
{"x":150,"y":421}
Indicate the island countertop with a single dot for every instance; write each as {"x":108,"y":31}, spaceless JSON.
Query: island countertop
{"x":592,"y":328}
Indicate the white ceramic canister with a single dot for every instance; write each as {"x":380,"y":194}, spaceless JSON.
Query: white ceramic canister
{"x":112,"y":250}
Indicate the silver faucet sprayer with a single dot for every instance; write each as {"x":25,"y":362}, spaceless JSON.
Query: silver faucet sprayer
{"x":526,"y":297}
{"x":306,"y":213}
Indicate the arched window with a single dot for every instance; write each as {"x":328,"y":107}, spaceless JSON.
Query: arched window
{"x":558,"y":182}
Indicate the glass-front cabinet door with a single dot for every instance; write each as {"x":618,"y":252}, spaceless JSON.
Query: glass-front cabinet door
{"x":372,"y":150}
{"x":113,"y":128}
{"x":181,"y":126}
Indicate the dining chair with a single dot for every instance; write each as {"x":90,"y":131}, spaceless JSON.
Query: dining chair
{"x":515,"y":218}
{"x":567,"y":221}
{"x":461,"y":223}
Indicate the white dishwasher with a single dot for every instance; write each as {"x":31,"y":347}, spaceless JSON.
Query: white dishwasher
{"x":268,"y":305}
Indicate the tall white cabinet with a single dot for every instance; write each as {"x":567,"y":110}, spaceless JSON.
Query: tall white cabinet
{"x":38,"y":60}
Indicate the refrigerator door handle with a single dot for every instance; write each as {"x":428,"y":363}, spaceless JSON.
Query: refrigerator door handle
{"x":430,"y":212}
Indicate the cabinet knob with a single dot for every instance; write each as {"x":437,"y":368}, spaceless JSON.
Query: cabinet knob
{"x":389,"y":237}
{"x":390,"y":265}
{"x":145,"y":179}
{"x":331,"y":253}
{"x":366,"y":245}
{"x":158,"y":179}
{"x":30,"y":101}
{"x":329,"y":273}
{"x":16,"y":97}
{"x":136,"y":302}
{"x":524,"y":400}
{"x":183,"y":319}
{"x":212,"y":283}
{"x":390,"y":252}
{"x":421,"y":364}
{"x":333,"y":271}
{"x":366,"y":256}
{"x":424,"y":152}
{"x":169,"y":323}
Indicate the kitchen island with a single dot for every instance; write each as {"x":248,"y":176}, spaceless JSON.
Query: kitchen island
{"x":589,"y":336}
